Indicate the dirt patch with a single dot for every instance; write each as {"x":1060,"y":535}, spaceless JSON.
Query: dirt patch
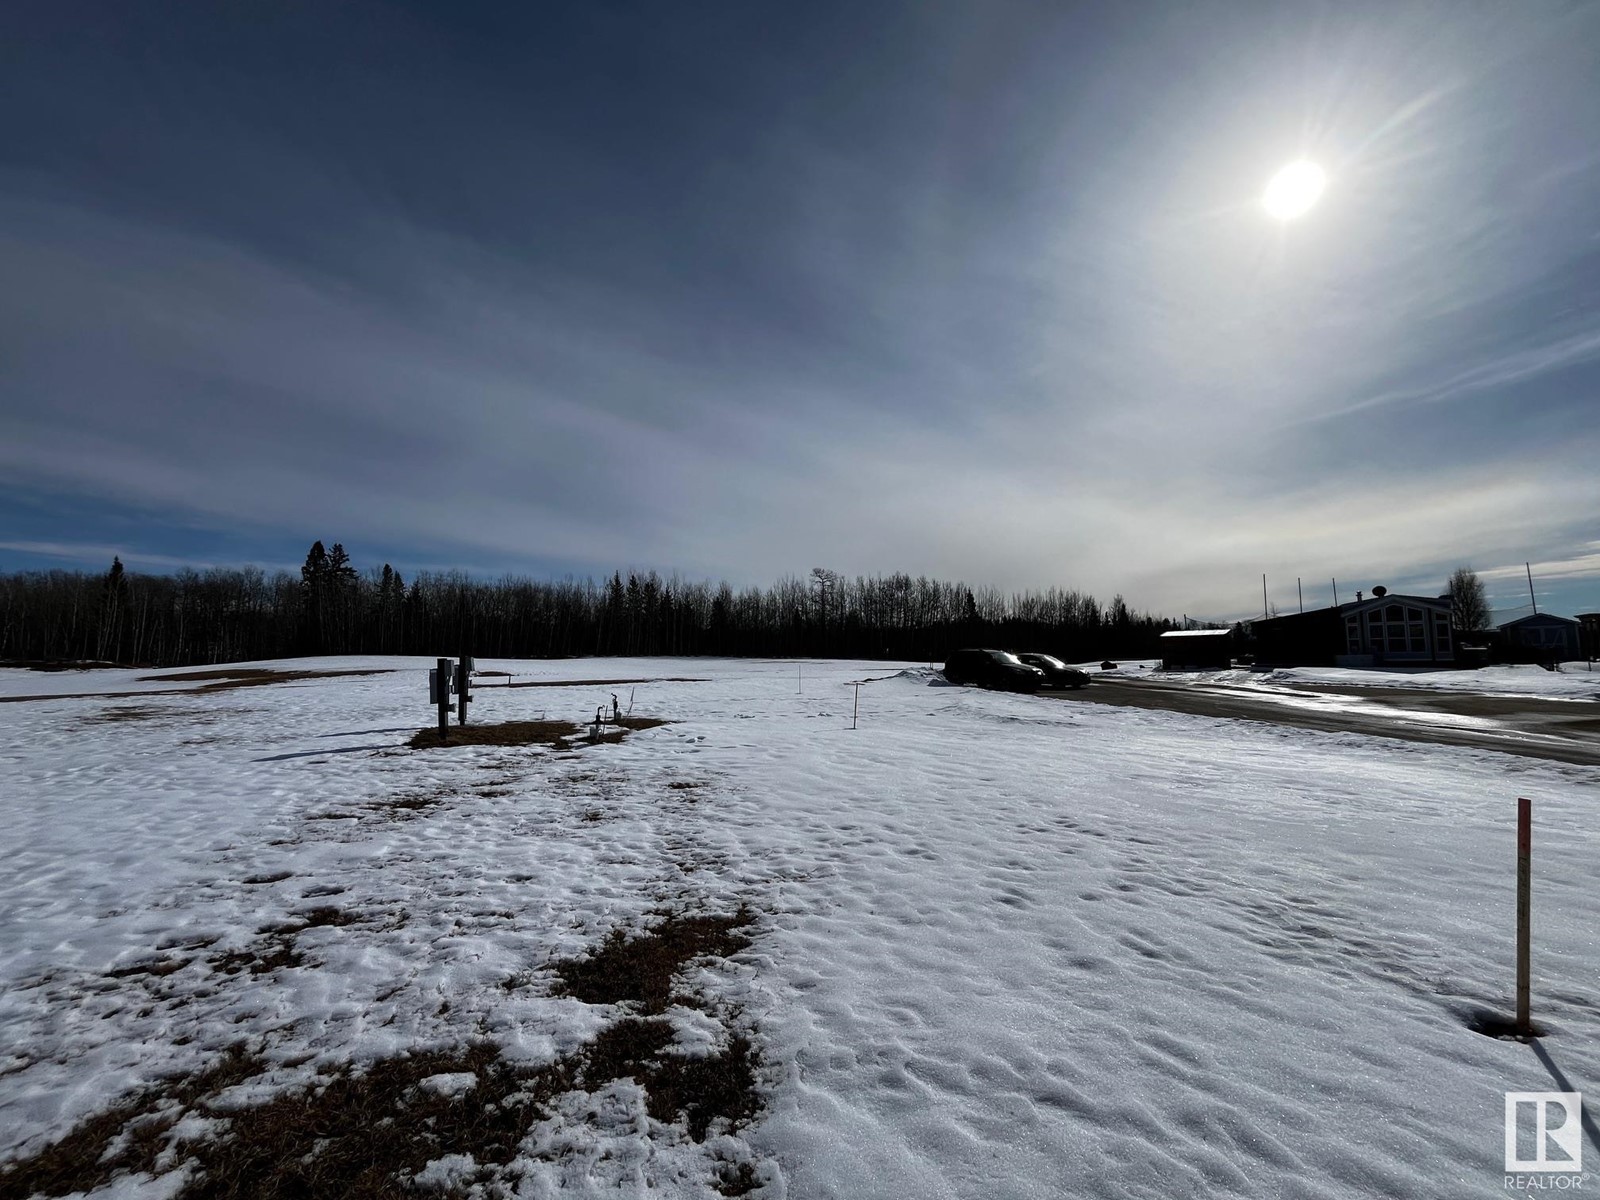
{"x":219,"y":681}
{"x":134,"y":712}
{"x":640,"y":969}
{"x":551,"y":683}
{"x":507,"y":733}
{"x":35,"y":664}
{"x":222,"y":681}
{"x":404,"y":807}
{"x":558,"y":735}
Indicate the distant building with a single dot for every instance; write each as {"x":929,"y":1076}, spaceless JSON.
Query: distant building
{"x":1543,"y":636}
{"x":1590,"y":624}
{"x":1379,"y":631}
{"x":1197,"y":650}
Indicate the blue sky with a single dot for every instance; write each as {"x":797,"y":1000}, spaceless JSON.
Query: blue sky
{"x":974,"y":290}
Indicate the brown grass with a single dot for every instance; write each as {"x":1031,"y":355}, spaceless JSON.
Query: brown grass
{"x":219,"y":681}
{"x":506,"y":733}
{"x":134,"y":712}
{"x":94,"y":1152}
{"x":558,"y":735}
{"x":640,"y":969}
{"x":550,"y":683}
{"x":363,"y":1133}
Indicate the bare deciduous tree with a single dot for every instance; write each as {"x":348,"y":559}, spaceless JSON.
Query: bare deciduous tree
{"x":1469,"y":605}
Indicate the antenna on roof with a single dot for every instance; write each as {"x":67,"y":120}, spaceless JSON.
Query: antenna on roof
{"x":1335,"y":591}
{"x":1535,"y":602}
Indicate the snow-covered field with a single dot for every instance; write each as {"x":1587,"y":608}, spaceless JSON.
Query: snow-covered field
{"x":1003,"y":946}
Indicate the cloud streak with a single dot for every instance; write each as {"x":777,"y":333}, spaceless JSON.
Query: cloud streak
{"x":881,"y":291}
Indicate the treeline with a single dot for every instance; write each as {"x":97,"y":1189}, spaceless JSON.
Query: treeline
{"x":234,"y":615}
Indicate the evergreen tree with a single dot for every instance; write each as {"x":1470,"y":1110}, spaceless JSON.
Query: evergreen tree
{"x":110,"y":638}
{"x":314,"y":590}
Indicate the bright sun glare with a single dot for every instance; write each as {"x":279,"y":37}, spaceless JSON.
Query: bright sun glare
{"x":1294,"y":189}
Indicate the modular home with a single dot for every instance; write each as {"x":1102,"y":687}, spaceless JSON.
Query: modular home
{"x":1382,"y":630}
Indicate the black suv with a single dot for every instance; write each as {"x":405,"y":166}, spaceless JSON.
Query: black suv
{"x":993,"y":669}
{"x":1056,"y":673}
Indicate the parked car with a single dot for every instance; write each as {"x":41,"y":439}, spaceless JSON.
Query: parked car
{"x":1056,"y":673}
{"x":993,"y":669}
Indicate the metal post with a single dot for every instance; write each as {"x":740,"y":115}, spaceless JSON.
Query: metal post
{"x":445,"y":666}
{"x":1263,"y":597}
{"x":463,"y":677}
{"x":1301,"y":592}
{"x":856,"y":711}
{"x":1524,"y":912}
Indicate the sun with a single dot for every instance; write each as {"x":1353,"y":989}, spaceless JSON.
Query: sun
{"x":1293,"y":190}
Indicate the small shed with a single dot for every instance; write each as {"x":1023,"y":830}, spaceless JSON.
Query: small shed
{"x":1589,"y":623}
{"x":1543,"y":635}
{"x":1197,"y":650}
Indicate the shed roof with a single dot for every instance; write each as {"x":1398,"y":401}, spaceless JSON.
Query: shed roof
{"x":1544,"y":618}
{"x":1197,"y":633}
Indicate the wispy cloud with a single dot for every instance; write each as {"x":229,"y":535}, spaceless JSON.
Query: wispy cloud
{"x":1517,"y":366}
{"x":99,"y":555}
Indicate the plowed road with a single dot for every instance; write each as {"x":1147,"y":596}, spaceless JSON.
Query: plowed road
{"x":1562,"y":730}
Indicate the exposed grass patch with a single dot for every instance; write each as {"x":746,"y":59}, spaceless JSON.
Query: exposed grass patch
{"x":225,"y":678}
{"x":157,"y":968}
{"x":277,"y":946}
{"x":126,"y":1138}
{"x":37,"y":664}
{"x":637,"y":723}
{"x":640,"y":969}
{"x":366,"y":1132}
{"x":133,"y":712}
{"x":268,"y":877}
{"x":552,"y":683}
{"x":402,"y":806}
{"x":558,"y":735}
{"x":506,"y":733}
{"x":218,"y":681}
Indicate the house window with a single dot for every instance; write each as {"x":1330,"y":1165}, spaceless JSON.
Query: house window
{"x":1413,"y":614}
{"x":1393,"y":613}
{"x":1419,"y":644}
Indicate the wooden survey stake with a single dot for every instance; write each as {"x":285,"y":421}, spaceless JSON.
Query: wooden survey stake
{"x":1524,"y":914}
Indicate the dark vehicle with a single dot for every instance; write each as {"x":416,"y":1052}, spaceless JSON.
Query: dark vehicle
{"x":1056,"y":673}
{"x":993,"y":669}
